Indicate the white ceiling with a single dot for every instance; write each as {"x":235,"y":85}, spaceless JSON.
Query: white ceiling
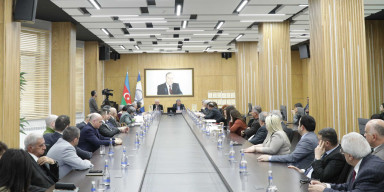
{"x":199,"y":32}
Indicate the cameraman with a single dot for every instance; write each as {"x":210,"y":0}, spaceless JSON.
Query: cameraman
{"x":93,"y":108}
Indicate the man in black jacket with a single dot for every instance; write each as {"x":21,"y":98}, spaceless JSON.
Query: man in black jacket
{"x":45,"y":171}
{"x":213,"y":113}
{"x":329,"y":163}
{"x":169,"y":87}
{"x":107,"y":129}
{"x":262,"y":132}
{"x":253,"y":124}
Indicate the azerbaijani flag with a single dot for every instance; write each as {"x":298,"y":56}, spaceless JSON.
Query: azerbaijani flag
{"x":126,"y":93}
{"x":139,"y":93}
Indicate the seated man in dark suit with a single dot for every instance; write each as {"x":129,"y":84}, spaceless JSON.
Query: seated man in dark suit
{"x":367,"y":174}
{"x":374,"y":133}
{"x":45,"y":171}
{"x":253,"y":124}
{"x":61,"y":123}
{"x":262,"y":132}
{"x":169,"y":87}
{"x":178,"y":105}
{"x":214,"y":113}
{"x":107,"y":129}
{"x":329,"y":162}
{"x":157,"y":106}
{"x":204,"y":108}
{"x":113,"y":117}
{"x":303,"y":154}
{"x":83,"y":123}
{"x":90,"y":138}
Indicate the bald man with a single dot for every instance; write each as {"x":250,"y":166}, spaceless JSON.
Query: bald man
{"x":374,"y":133}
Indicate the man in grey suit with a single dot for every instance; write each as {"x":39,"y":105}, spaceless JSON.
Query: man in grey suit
{"x":93,"y":108}
{"x":374,"y":133}
{"x":367,"y":174}
{"x":303,"y":154}
{"x":65,"y":153}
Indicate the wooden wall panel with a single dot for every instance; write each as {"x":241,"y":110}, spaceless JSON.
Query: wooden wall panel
{"x":299,"y":76}
{"x":275,"y":66}
{"x":375,"y":56}
{"x":93,"y":73}
{"x":211,"y":72}
{"x":10,"y":79}
{"x":63,"y":65}
{"x":339,"y":86}
{"x":248,"y":84}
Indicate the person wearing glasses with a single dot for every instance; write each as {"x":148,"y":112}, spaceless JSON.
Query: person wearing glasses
{"x":276,"y":142}
{"x":303,"y":154}
{"x":367,"y":174}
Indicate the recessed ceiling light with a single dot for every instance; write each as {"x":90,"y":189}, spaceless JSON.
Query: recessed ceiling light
{"x":239,"y":36}
{"x":241,"y":6}
{"x":184,"y":24}
{"x":137,"y":47}
{"x":303,"y":5}
{"x":122,"y":46}
{"x":95,"y":4}
{"x":219,"y":24}
{"x":178,"y":10}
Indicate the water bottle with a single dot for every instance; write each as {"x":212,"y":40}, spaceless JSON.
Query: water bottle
{"x":231,"y":154}
{"x":110,"y":153}
{"x":106,"y":175}
{"x":220,"y":143}
{"x":137,"y":140}
{"x":124,"y":158}
{"x":93,"y":189}
{"x":271,"y":187}
{"x":141,"y":133}
{"x":243,"y":163}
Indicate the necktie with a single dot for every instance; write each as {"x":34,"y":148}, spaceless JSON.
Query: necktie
{"x":353,"y":176}
{"x":170,"y":90}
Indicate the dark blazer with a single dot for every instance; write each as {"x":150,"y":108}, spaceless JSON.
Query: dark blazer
{"x":162,"y":89}
{"x":114,"y":122}
{"x":370,"y":177}
{"x":328,"y":169}
{"x":81,"y":125}
{"x":108,"y":130}
{"x":260,"y":135}
{"x":90,"y":139}
{"x":287,"y":130}
{"x":160,"y":107}
{"x":181,"y":106}
{"x":93,"y":106}
{"x":44,"y":176}
{"x":253,"y":125}
{"x":303,"y":154}
{"x":51,"y":139}
{"x":205,"y":111}
{"x":214,"y":114}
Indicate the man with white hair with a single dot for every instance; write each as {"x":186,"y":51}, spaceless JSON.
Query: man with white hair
{"x":374,"y":133}
{"x":83,"y":123}
{"x":45,"y":171}
{"x":113,"y":117}
{"x":50,"y":124}
{"x":367,"y":175}
{"x":157,"y":106}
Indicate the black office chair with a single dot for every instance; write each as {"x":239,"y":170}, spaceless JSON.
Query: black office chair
{"x":362,"y":123}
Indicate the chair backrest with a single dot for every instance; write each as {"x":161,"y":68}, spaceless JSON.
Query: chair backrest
{"x":362,"y":123}
{"x":249,"y":107}
{"x":283,"y":110}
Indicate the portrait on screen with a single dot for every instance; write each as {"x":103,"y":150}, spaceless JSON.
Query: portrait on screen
{"x":168,"y":82}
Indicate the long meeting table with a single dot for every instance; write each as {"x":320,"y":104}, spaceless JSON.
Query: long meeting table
{"x":176,"y":155}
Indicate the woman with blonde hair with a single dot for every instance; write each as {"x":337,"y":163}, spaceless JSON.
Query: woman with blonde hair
{"x":276,"y":142}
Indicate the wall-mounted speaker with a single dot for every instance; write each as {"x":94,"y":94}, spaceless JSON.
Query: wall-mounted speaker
{"x":24,"y":10}
{"x":104,"y":53}
{"x":226,"y":55}
{"x":115,"y":55}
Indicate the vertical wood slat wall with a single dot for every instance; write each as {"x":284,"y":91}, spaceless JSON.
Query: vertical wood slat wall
{"x":63,"y":63}
{"x":275,"y":67}
{"x":248,"y":84}
{"x":338,"y":74}
{"x":10,"y":71}
{"x":79,"y":80}
{"x":375,"y":59}
{"x":300,"y":78}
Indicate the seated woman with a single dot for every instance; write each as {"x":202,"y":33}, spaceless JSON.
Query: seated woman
{"x":227,"y":116}
{"x":237,"y":123}
{"x":276,"y":142}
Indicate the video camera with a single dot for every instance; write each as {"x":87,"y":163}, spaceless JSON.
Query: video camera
{"x":107,"y":92}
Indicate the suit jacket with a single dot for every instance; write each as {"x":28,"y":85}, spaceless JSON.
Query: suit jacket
{"x":65,"y":154}
{"x":278,"y":144}
{"x":159,"y":108}
{"x":114,"y":122}
{"x":108,"y":130}
{"x":126,"y":118}
{"x":237,"y":127}
{"x":328,"y":169}
{"x":370,"y":177}
{"x":260,"y":135}
{"x":303,"y":154}
{"x":44,"y":176}
{"x":253,"y":125}
{"x":162,"y":89}
{"x":379,"y":152}
{"x":214,"y":114}
{"x":81,"y":125}
{"x":51,"y":139}
{"x":181,"y":106}
{"x":93,"y":106}
{"x":90,"y":139}
{"x":205,"y":111}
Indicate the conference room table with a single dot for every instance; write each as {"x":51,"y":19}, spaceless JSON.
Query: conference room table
{"x":175,"y":155}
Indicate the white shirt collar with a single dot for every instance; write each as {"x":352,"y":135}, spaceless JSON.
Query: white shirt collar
{"x":357,"y":167}
{"x":374,"y":149}
{"x":34,"y":156}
